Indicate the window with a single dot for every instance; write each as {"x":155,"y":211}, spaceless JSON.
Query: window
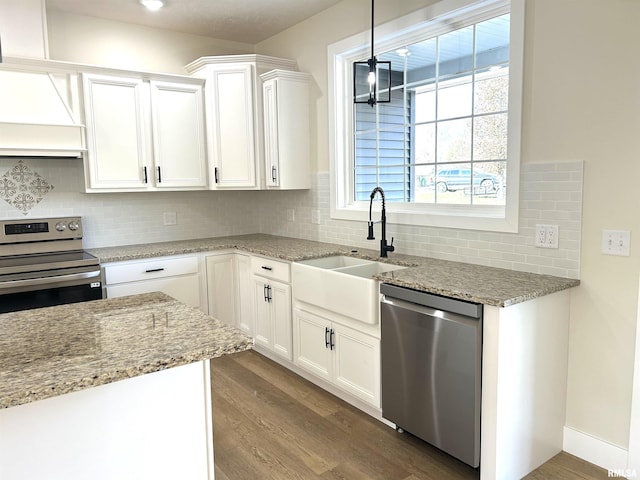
{"x":446,"y":148}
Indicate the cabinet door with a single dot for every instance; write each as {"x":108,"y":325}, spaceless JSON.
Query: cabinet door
{"x":311,"y":334}
{"x":262,"y":313}
{"x":244,"y":294}
{"x":185,"y":288}
{"x":118,"y":144}
{"x":357,"y":364}
{"x":221,"y":288}
{"x":269,"y":98}
{"x":281,"y":312}
{"x":287,"y":130}
{"x":232,"y":123}
{"x":178,"y":135}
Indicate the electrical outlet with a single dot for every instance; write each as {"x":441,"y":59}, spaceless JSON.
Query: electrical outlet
{"x":291,"y":215}
{"x":541,"y":235}
{"x":169,"y":218}
{"x":315,"y":217}
{"x":552,"y":236}
{"x":616,"y":242}
{"x":546,"y":236}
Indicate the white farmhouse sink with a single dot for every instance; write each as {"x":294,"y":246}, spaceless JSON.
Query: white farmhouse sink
{"x":368,"y":270}
{"x":340,"y":284}
{"x":338,"y":261}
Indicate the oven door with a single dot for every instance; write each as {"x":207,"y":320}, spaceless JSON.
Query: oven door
{"x":56,"y":287}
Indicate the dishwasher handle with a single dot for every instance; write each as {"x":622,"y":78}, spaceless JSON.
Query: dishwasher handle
{"x":436,"y":302}
{"x":429,"y":312}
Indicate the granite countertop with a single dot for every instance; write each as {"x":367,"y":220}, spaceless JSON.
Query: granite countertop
{"x":476,"y":283}
{"x":51,"y":351}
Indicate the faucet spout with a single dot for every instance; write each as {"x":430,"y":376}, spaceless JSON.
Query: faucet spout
{"x":384,"y":247}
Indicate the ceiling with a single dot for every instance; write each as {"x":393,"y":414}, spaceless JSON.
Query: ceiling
{"x":246,"y":21}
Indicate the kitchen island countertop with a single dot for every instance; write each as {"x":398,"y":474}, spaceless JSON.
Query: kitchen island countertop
{"x":56,"y":350}
{"x":476,"y":283}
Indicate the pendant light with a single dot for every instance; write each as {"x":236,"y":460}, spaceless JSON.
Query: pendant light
{"x":371,"y":76}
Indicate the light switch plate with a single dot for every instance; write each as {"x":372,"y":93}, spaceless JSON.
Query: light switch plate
{"x":291,"y":215}
{"x":616,"y":242}
{"x":315,"y":217}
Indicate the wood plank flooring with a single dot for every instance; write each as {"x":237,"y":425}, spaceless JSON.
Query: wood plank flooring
{"x":269,"y":423}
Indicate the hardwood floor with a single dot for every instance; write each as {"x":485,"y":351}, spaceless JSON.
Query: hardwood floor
{"x":269,"y":423}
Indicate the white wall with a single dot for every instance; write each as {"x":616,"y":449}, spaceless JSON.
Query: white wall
{"x":82,"y":39}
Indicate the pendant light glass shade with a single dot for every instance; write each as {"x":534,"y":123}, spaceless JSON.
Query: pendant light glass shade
{"x":372,"y":79}
{"x":371,"y":82}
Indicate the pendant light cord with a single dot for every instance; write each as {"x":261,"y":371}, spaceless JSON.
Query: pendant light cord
{"x":372,"y":27}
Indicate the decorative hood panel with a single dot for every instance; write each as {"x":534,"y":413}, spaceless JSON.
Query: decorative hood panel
{"x":40,"y":114}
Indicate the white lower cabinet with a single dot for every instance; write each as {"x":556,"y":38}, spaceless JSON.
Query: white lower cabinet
{"x":272,"y":305}
{"x":221,"y":287}
{"x":244,"y":294}
{"x":178,"y":277}
{"x":229,"y":289}
{"x":343,"y":356}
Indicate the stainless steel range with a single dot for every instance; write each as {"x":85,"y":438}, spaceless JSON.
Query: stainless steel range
{"x":42,"y":264}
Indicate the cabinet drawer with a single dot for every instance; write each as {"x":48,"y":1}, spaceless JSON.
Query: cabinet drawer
{"x":149,"y":269}
{"x":269,"y":268}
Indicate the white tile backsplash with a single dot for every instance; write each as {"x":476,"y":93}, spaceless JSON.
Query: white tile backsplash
{"x":551,"y":193}
{"x":128,"y":218}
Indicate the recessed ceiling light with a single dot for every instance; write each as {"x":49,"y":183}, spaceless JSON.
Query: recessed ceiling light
{"x":153,"y":5}
{"x":403,"y":52}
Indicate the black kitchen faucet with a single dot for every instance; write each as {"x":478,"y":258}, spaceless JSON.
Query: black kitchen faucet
{"x":384,"y":248}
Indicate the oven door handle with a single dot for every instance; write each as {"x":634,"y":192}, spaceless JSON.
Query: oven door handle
{"x":49,"y":280}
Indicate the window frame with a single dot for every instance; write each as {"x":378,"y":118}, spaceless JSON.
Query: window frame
{"x":428,"y":22}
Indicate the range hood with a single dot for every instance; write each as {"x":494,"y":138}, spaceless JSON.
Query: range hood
{"x":39,"y":114}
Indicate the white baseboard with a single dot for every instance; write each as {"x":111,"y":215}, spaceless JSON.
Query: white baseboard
{"x":594,"y":450}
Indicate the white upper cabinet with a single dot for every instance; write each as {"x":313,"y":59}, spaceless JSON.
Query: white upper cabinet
{"x":118,"y":154}
{"x":231,"y":125}
{"x":179,"y":153}
{"x":144,"y":135}
{"x":286,"y":129}
{"x":236,"y":122}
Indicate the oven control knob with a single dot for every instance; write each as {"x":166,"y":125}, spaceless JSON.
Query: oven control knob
{"x":74,"y":225}
{"x":61,"y":227}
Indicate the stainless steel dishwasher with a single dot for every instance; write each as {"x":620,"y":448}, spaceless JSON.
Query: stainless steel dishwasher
{"x":431,"y":367}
